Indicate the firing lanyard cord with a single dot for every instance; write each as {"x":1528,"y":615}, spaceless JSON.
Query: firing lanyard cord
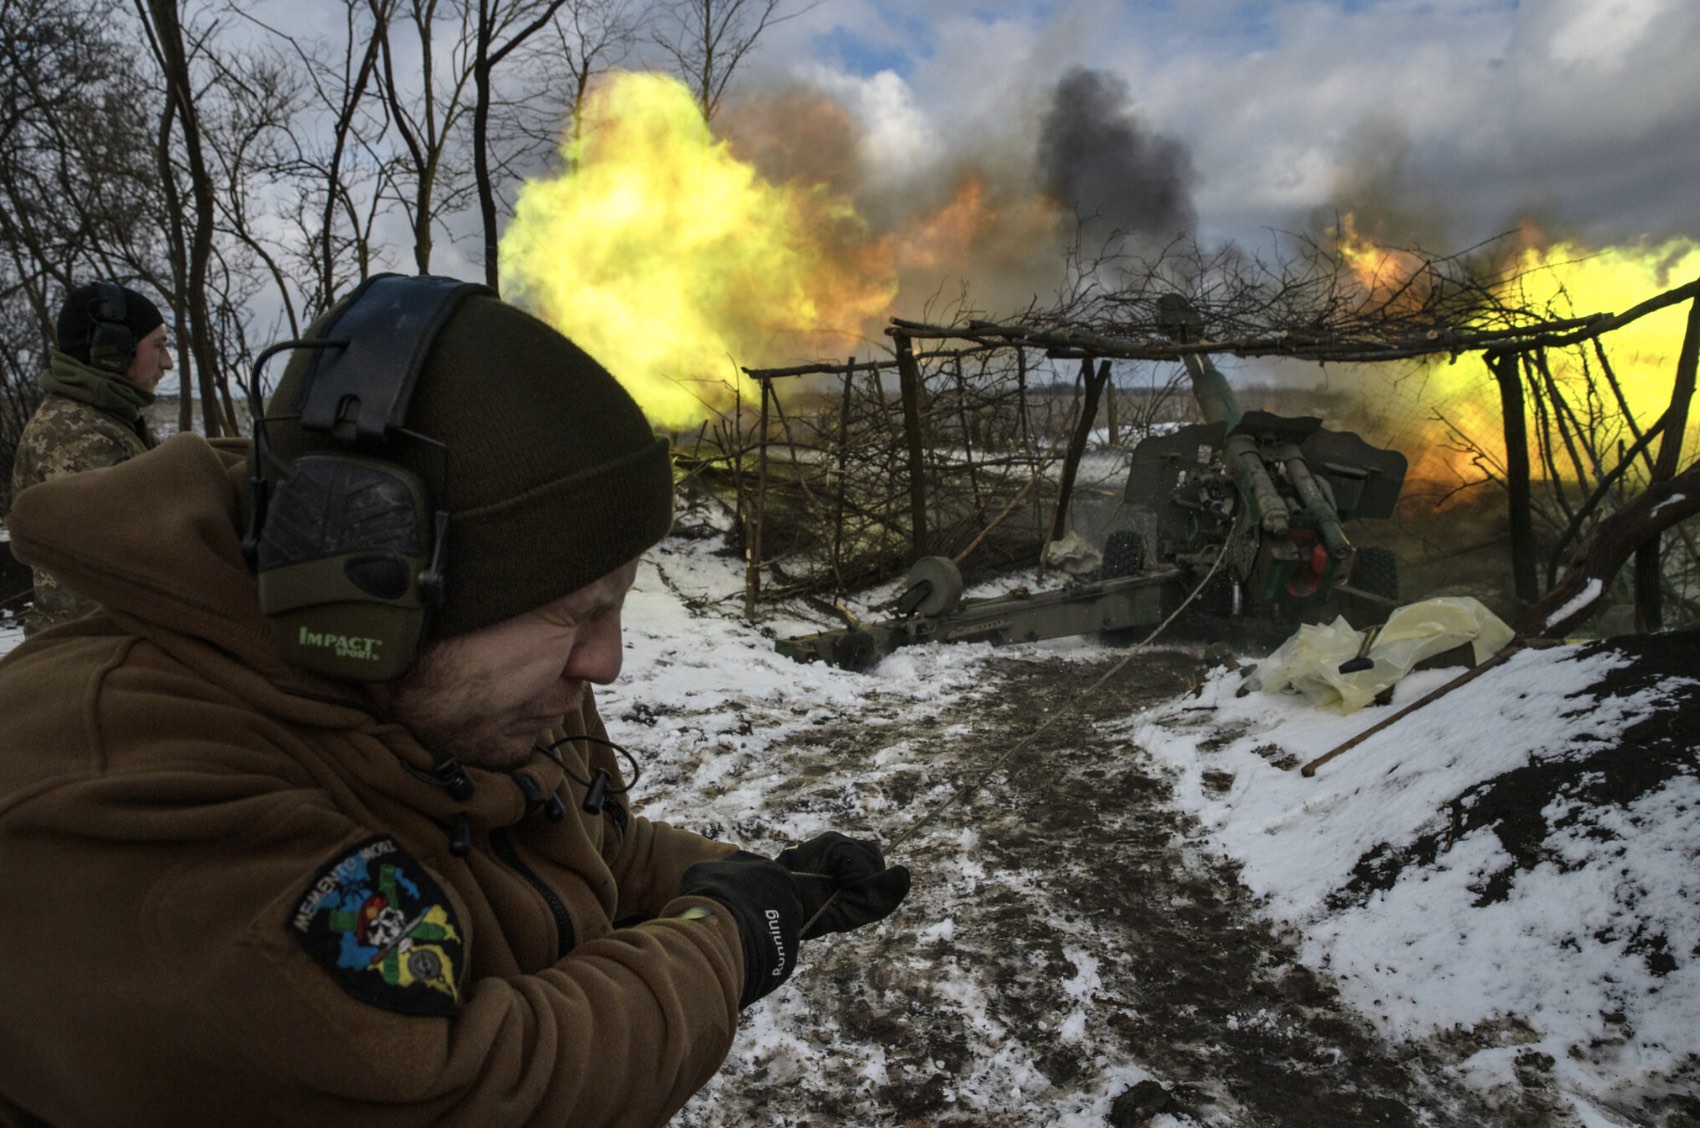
{"x":973,"y":784}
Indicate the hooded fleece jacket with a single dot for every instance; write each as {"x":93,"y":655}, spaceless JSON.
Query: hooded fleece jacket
{"x":228,"y":893}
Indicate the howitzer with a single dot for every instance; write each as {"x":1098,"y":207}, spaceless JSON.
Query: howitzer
{"x":1243,"y":513}
{"x":940,"y":614}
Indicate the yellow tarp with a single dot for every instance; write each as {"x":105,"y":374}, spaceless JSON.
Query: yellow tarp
{"x":1309,"y":662}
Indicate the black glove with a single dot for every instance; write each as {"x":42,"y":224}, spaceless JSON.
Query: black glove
{"x":762,"y":899}
{"x":849,"y":873}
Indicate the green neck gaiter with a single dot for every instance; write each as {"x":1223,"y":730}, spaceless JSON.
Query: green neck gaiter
{"x":106,"y":391}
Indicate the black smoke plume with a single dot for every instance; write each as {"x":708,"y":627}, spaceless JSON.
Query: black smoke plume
{"x":1099,"y":159}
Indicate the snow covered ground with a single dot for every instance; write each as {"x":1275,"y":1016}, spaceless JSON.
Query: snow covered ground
{"x":1501,"y":876}
{"x":1486,"y":913}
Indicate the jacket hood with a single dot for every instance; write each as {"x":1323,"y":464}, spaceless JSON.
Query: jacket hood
{"x":155,"y":541}
{"x":108,"y":391}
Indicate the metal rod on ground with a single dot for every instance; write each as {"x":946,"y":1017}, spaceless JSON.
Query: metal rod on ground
{"x":1005,"y":512}
{"x":1510,"y":648}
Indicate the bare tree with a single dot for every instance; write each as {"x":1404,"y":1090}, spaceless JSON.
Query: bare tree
{"x":589,"y":38}
{"x":498,"y":32}
{"x":76,"y":178}
{"x":243,"y":175}
{"x":251,"y":143}
{"x":75,"y":142}
{"x":426,"y":112}
{"x":708,"y":40}
{"x":329,"y":161}
{"x":192,"y":244}
{"x":519,"y":127}
{"x":462,"y":111}
{"x":250,"y":100}
{"x":224,"y":132}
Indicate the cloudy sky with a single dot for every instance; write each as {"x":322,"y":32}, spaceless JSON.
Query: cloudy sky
{"x":1431,"y":124}
{"x":1440,"y":123}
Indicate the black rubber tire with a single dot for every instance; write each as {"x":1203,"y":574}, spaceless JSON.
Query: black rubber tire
{"x":1124,"y":555}
{"x":855,"y":651}
{"x":1217,"y":599}
{"x":1376,"y":571}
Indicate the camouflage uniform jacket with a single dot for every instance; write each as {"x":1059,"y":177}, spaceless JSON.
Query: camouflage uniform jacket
{"x":68,"y":434}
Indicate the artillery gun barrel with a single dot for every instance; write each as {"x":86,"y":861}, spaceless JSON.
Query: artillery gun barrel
{"x":1316,"y":502}
{"x":1108,"y":605}
{"x":1247,"y":466}
{"x":1210,"y":388}
{"x":1180,"y":320}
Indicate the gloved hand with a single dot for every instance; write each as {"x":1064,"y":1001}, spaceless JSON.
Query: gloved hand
{"x":849,"y":873}
{"x":762,"y":899}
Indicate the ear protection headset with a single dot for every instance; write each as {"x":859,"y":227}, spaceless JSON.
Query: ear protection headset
{"x":111,"y":344}
{"x":348,"y":545}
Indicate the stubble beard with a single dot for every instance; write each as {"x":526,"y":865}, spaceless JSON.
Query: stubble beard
{"x":438,"y":699}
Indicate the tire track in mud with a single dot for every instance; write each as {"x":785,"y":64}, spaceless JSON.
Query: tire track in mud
{"x":1092,"y":930}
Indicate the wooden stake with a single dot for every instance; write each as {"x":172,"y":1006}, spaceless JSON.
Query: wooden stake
{"x":1510,"y":648}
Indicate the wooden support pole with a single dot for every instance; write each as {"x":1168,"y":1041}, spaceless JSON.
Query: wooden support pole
{"x":909,"y":382}
{"x":1077,"y":443}
{"x":843,"y":455}
{"x":752,"y":573}
{"x":1608,"y":546}
{"x":1507,"y":369}
{"x":1649,"y":595}
{"x":1464,"y":678}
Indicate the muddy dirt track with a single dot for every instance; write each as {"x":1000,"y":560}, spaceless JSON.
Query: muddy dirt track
{"x":1098,"y":940}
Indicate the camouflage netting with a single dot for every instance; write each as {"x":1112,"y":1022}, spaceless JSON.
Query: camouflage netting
{"x":967,"y":442}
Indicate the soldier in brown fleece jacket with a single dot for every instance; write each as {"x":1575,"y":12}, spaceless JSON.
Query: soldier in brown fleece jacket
{"x":315,"y":821}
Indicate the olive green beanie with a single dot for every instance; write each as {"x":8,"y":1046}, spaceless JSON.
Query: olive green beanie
{"x":553,"y":477}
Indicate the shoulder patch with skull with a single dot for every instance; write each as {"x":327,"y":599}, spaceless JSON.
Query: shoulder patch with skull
{"x":383,"y":928}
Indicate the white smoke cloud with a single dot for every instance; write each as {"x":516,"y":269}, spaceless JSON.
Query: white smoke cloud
{"x":1578,"y":111}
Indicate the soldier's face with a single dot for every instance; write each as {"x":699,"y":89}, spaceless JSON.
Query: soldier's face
{"x":484,"y":697}
{"x":153,"y":360}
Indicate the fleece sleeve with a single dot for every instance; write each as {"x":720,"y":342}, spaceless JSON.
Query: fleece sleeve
{"x":187,"y":994}
{"x":647,"y":858}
